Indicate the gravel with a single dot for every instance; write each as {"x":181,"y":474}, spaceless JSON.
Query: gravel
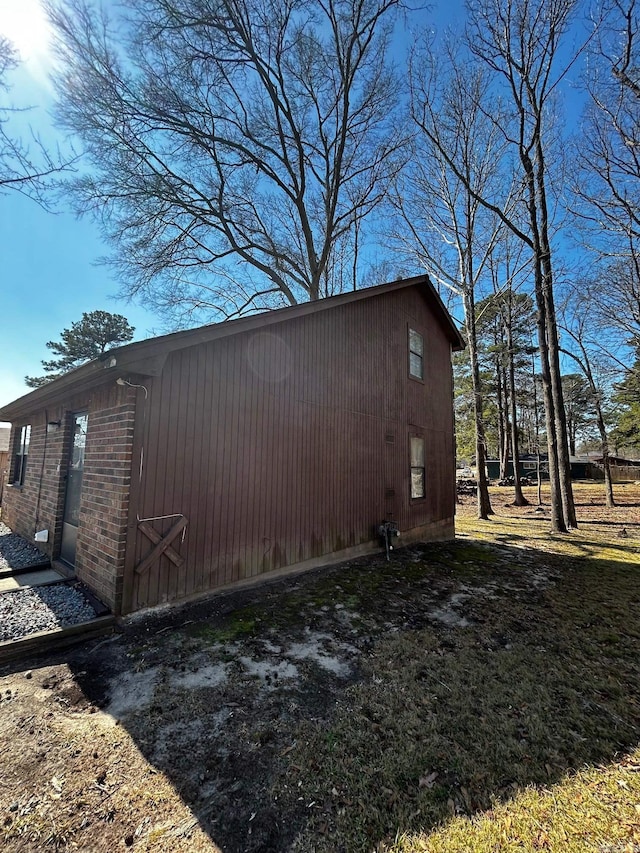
{"x":39,"y":608}
{"x":16,"y":552}
{"x":42,"y":608}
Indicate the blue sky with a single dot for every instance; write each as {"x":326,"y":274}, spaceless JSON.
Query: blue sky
{"x":49,"y":271}
{"x":49,"y":276}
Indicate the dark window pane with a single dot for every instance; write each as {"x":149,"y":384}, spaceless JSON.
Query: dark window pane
{"x":417,"y":451}
{"x":416,"y":343}
{"x":72,"y":502}
{"x":22,"y":449}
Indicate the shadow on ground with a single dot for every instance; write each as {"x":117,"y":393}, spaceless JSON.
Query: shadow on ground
{"x":327,"y":712}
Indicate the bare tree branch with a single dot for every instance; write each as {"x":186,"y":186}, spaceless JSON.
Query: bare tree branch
{"x":25,"y":167}
{"x":222,"y":131}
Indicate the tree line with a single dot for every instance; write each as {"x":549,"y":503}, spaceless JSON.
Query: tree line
{"x":239,"y":155}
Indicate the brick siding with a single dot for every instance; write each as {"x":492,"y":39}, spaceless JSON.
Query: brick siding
{"x":35,"y":505}
{"x":104,"y":504}
{"x":104,"y":507}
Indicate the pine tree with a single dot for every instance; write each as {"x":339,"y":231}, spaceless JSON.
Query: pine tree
{"x":87,"y":339}
{"x":627,"y":431}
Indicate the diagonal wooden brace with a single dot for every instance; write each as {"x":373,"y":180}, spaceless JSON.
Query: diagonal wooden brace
{"x":161,"y":546}
{"x":152,"y":534}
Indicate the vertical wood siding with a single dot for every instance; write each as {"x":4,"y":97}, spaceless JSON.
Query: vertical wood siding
{"x":292,"y":443}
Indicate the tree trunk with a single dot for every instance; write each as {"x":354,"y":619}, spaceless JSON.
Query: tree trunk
{"x":553,"y":344}
{"x":559,"y":416}
{"x":557,"y":512}
{"x":608,"y":485}
{"x":519,"y":498}
{"x":484,"y":502}
{"x":505,"y":420}
{"x":503,"y":444}
{"x":536,"y":424}
{"x":539,"y":474}
{"x":543,"y":325}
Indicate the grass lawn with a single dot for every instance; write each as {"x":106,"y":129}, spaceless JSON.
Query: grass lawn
{"x":477,"y":695}
{"x":518,"y":731}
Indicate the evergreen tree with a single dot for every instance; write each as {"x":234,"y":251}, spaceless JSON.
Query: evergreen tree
{"x":627,"y":431}
{"x":579,"y":406}
{"x":87,"y":339}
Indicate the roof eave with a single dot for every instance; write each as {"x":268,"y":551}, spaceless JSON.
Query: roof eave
{"x":84,"y":378}
{"x":146,"y":358}
{"x":78,"y":380}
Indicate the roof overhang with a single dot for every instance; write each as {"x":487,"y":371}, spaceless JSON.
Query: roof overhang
{"x":146,"y":358}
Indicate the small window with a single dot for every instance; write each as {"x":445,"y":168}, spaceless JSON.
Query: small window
{"x":23,"y":438}
{"x":416,"y":452}
{"x":529,"y":466}
{"x":416,"y":354}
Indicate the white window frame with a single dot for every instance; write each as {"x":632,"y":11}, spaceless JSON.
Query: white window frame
{"x":420,"y":494}
{"x":21,"y":454}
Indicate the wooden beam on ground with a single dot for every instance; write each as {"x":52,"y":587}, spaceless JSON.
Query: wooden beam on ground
{"x":57,"y":638}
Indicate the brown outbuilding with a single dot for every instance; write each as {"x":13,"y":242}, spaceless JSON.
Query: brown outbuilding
{"x":277,"y":442}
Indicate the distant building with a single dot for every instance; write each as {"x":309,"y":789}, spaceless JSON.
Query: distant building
{"x":528,"y":467}
{"x":581,"y":469}
{"x":620,"y":468}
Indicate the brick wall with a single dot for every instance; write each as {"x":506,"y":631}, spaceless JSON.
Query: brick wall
{"x":4,"y":470}
{"x":104,"y":506}
{"x":104,"y":502}
{"x":36,"y":504}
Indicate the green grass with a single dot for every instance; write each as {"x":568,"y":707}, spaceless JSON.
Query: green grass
{"x":596,"y":809}
{"x":238,"y":624}
{"x":518,"y":732}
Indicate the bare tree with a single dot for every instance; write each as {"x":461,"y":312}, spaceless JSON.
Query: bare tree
{"x":607,"y":184}
{"x":234,"y":147}
{"x":608,"y":149}
{"x":446,"y":230}
{"x":513,"y":311}
{"x":580,"y":329}
{"x":617,"y":299}
{"x":578,"y":404}
{"x":518,"y":41}
{"x":25,"y":167}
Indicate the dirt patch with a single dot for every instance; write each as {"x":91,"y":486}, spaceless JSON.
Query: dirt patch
{"x":330,"y":711}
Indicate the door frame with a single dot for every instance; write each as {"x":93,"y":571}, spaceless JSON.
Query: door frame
{"x":66,"y":462}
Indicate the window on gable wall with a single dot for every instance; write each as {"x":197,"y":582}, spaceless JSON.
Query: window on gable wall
{"x":416,"y":354}
{"x":416,"y":452}
{"x":23,"y":437}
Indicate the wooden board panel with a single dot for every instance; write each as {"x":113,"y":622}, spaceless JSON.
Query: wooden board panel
{"x":272,"y":442}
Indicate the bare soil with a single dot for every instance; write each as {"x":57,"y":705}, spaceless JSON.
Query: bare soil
{"x":329,"y":711}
